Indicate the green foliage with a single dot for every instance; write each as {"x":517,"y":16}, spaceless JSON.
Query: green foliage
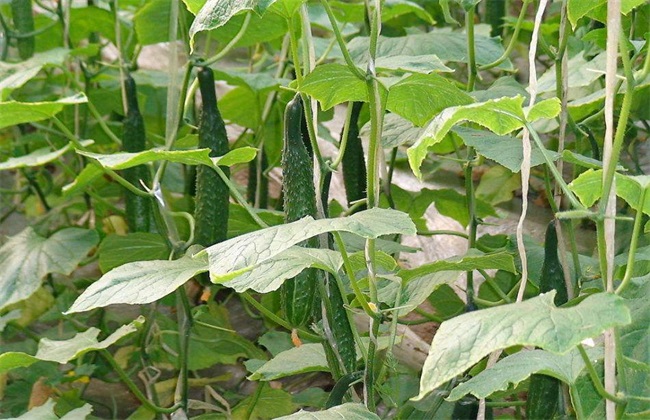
{"x":316,"y":306}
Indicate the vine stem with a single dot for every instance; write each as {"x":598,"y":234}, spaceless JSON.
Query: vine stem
{"x":471,"y":154}
{"x":562,"y":90}
{"x":513,"y":39}
{"x":607,"y":205}
{"x":133,"y":387}
{"x":373,"y":185}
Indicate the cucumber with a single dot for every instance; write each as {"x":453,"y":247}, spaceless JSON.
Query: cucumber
{"x":354,"y":164}
{"x":138,"y":209}
{"x":340,"y":326}
{"x":544,"y":391}
{"x":495,"y":11}
{"x":299,"y":201}
{"x":24,"y":24}
{"x":212,"y":194}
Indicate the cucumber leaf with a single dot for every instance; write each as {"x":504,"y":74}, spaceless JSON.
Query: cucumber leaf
{"x":463,"y":341}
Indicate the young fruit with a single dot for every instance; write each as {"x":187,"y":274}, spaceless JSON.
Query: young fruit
{"x":354,"y":164}
{"x":299,"y":201}
{"x":24,"y":24}
{"x":137,"y":208}
{"x":212,"y":195}
{"x":544,"y":391}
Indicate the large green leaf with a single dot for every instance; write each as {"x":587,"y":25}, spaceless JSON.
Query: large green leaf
{"x":62,"y":351}
{"x":37,"y":157}
{"x":139,"y":282}
{"x":421,"y":96}
{"x":423,"y":64}
{"x":116,"y":250}
{"x":355,"y":12}
{"x":216,"y":13}
{"x":269,"y":403}
{"x":14,"y":113}
{"x":581,"y":73}
{"x":519,"y":366}
{"x":463,"y":341}
{"x":635,"y":345}
{"x":332,"y":84}
{"x":447,"y":46}
{"x":270,"y":274}
{"x":189,"y":157}
{"x":308,"y":357}
{"x":236,"y":256}
{"x":28,"y":257}
{"x":47,"y":411}
{"x":580,"y":8}
{"x":500,"y":116}
{"x":351,"y":411}
{"x":15,"y":75}
{"x":507,"y":151}
{"x":420,"y":282}
{"x":147,"y":22}
{"x":147,"y":281}
{"x":589,"y":188}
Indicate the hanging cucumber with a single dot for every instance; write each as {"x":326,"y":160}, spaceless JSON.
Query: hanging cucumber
{"x":212,"y":195}
{"x":137,"y":208}
{"x":354,"y":164}
{"x":543,"y":399}
{"x":24,"y":24}
{"x":339,"y":323}
{"x":299,"y":201}
{"x":495,"y":11}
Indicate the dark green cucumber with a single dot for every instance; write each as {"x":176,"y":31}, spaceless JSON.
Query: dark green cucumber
{"x":212,"y":194}
{"x":339,"y":324}
{"x":354,"y":164}
{"x":552,"y":273}
{"x":24,"y":24}
{"x":495,"y":11}
{"x":341,"y":388}
{"x":137,"y":208}
{"x":544,"y":391}
{"x":299,"y":201}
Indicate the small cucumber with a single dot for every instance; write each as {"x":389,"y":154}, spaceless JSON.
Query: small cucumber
{"x":138,"y":209}
{"x":340,"y":326}
{"x":354,"y":164}
{"x":495,"y":11}
{"x":299,"y":201}
{"x":24,"y":23}
{"x":212,"y":194}
{"x":544,"y":391}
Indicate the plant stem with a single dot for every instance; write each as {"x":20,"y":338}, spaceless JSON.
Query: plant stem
{"x":339,"y":39}
{"x":471,"y":51}
{"x":373,"y":185}
{"x":593,"y":375}
{"x":185,"y":328}
{"x":513,"y":39}
{"x":228,"y":47}
{"x":636,"y":234}
{"x":133,"y":387}
{"x":273,"y":317}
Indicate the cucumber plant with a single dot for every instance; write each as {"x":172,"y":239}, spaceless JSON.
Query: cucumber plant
{"x":440,"y":122}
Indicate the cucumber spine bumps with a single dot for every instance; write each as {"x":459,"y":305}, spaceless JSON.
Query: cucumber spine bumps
{"x":138,"y":209}
{"x":24,"y":24}
{"x":299,"y":201}
{"x":212,"y":195}
{"x":544,"y":391}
